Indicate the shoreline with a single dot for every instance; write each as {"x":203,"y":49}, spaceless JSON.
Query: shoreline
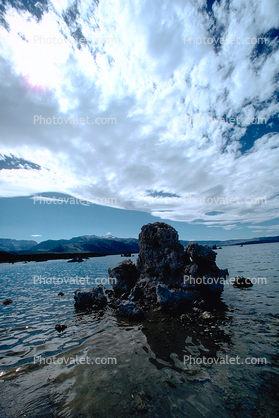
{"x":17,"y":258}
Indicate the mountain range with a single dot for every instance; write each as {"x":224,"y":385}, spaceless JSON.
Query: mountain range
{"x":102,"y":245}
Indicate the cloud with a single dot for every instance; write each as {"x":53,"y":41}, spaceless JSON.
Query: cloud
{"x":149,"y":79}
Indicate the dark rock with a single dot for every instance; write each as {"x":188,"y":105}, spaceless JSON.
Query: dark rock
{"x":61,"y":294}
{"x":202,"y":274}
{"x":76,"y":260}
{"x":144,"y":293}
{"x":93,"y":298}
{"x":166,"y":276}
{"x":109,"y":292}
{"x":200,"y":253}
{"x":242,"y":282}
{"x":172,"y":300}
{"x":129,"y":310}
{"x":60,"y":327}
{"x":140,"y":405}
{"x":161,"y":256}
{"x":7,"y":301}
{"x":126,"y":276}
{"x":199,"y":303}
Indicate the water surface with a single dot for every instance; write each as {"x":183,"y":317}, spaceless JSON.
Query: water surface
{"x":150,"y":378}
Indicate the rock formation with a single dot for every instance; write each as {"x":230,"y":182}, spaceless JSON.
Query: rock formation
{"x":165,"y":276}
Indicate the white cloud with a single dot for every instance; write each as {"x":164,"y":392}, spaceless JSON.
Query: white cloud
{"x":149,"y":79}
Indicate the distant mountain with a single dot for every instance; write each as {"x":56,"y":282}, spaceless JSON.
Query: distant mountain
{"x":258,"y":240}
{"x":14,"y":245}
{"x":102,"y":245}
{"x":86,"y":244}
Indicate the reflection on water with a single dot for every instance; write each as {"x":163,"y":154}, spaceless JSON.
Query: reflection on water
{"x":150,"y":378}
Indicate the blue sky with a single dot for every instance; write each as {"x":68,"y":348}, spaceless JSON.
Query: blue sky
{"x":162,"y":110}
{"x":57,"y":216}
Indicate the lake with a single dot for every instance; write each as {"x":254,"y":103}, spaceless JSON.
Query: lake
{"x":103,"y":366}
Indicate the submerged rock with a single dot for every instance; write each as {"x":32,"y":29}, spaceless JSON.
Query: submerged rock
{"x":93,"y":298}
{"x":242,"y":282}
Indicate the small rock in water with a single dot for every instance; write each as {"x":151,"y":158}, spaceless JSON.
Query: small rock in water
{"x":61,"y":294}
{"x":60,"y":327}
{"x":242,"y":282}
{"x":7,"y":301}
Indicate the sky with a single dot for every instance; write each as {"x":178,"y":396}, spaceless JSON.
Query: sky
{"x":149,"y":111}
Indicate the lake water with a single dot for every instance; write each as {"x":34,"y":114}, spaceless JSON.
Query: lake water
{"x":143,"y":372}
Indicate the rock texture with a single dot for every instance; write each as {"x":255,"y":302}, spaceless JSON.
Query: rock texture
{"x":93,"y":298}
{"x":128,"y":309}
{"x":126,"y":276}
{"x":161,"y":256}
{"x":201,"y":273}
{"x":173,"y":299}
